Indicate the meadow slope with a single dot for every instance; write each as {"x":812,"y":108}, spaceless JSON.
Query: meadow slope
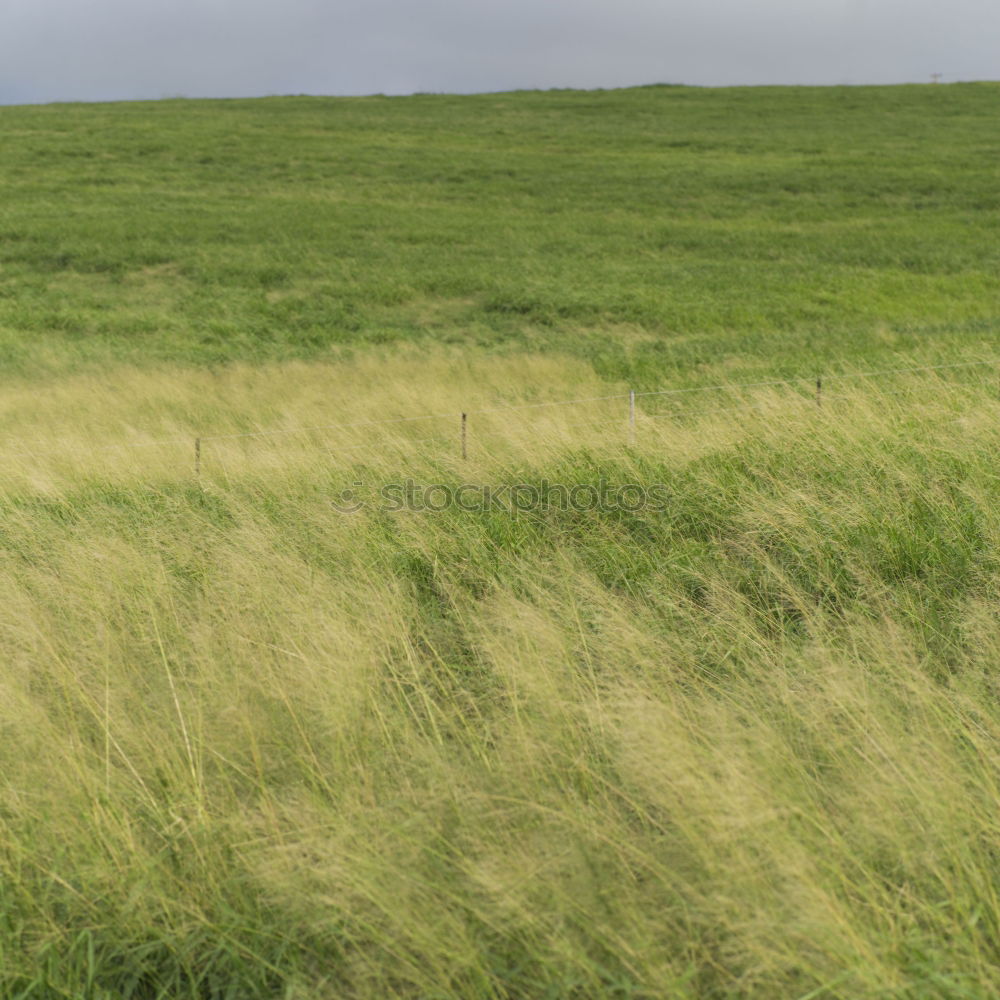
{"x":650,"y":231}
{"x":738,"y":739}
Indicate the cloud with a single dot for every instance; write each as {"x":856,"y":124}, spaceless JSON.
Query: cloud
{"x":121,"y":49}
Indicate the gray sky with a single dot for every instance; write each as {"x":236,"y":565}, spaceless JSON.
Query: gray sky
{"x":96,"y":50}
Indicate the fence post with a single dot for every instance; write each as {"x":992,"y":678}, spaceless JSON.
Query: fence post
{"x":465,"y":453}
{"x":197,"y":457}
{"x":819,"y":391}
{"x":631,"y":416}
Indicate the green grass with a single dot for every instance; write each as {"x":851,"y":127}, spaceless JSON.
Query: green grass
{"x":742,"y":746}
{"x":648,"y":231}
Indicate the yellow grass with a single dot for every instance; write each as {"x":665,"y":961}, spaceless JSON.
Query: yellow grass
{"x":746,"y":745}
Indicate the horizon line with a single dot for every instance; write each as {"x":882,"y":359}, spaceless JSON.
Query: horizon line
{"x":487,"y":93}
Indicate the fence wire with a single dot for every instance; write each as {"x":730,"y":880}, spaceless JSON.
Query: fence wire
{"x":48,"y":449}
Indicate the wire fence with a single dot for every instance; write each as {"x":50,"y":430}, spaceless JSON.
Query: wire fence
{"x":814,"y":383}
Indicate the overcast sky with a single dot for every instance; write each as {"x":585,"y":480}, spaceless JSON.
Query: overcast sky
{"x":98,"y":50}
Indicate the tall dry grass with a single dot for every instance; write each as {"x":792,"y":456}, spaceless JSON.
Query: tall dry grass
{"x":744,"y":746}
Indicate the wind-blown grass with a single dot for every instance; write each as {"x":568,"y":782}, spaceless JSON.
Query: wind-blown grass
{"x":746,"y":745}
{"x":741,"y":744}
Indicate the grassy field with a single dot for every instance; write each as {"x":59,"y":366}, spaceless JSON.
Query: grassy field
{"x":740,"y":737}
{"x":649,"y":232}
